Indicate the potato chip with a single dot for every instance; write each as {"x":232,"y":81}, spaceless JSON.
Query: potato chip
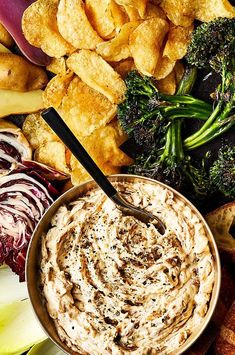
{"x":84,"y":109}
{"x":56,"y":89}
{"x":179,"y":71}
{"x":124,"y":67}
{"x":177,"y":42}
{"x":102,"y":145}
{"x":208,"y":10}
{"x":37,"y":131}
{"x":57,"y":66}
{"x":164,"y":67}
{"x":180,"y":12}
{"x":74,"y":25}
{"x":80,"y":175}
{"x":145,"y":43}
{"x":98,"y":74}
{"x":100,"y":15}
{"x":119,"y":15}
{"x":168,"y":84}
{"x":56,"y":157}
{"x":40,"y":28}
{"x":140,"y":5}
{"x":132,"y":13}
{"x":5,"y":37}
{"x":154,"y":11}
{"x":117,"y":48}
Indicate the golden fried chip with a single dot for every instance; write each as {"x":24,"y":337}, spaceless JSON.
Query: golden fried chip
{"x":37,"y":131}
{"x":168,"y":84}
{"x":164,"y":67}
{"x":208,"y":10}
{"x":117,"y":48}
{"x":139,"y":5}
{"x":5,"y":37}
{"x":132,"y":13}
{"x":119,"y":15}
{"x":124,"y":67}
{"x":84,"y":109}
{"x":102,"y":145}
{"x":177,"y":42}
{"x":98,"y":74}
{"x":74,"y":25}
{"x":80,"y":175}
{"x":154,"y":11}
{"x":39,"y":26}
{"x":52,"y":154}
{"x":56,"y":89}
{"x":100,"y":15}
{"x":145,"y":43}
{"x":57,"y":66}
{"x":180,"y":12}
{"x":179,"y":71}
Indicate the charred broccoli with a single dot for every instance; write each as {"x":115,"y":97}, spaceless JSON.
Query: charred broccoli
{"x":208,"y":41}
{"x":213,"y":44}
{"x":146,"y":113}
{"x":170,"y":164}
{"x":222,"y":172}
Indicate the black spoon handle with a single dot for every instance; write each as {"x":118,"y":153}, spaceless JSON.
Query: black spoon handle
{"x":56,"y":123}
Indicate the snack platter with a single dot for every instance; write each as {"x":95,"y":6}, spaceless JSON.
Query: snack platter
{"x":147,"y":87}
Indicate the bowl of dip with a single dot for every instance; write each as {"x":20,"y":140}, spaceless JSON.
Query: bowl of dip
{"x":101,"y":282}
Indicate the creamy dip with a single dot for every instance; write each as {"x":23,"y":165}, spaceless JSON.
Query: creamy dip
{"x":114,"y":285}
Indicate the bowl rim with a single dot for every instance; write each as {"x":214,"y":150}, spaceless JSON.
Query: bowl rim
{"x":36,"y":300}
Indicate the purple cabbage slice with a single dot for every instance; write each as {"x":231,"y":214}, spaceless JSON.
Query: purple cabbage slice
{"x":11,"y":12}
{"x":14,"y":148}
{"x":25,"y":194}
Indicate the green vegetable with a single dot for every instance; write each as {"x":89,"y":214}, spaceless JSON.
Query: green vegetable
{"x":47,"y":347}
{"x":19,"y":329}
{"x":146,"y":113}
{"x":213,"y":44}
{"x":222,"y":172}
{"x":170,"y":164}
{"x":208,"y":41}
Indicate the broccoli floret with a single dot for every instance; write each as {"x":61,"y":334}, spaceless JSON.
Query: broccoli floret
{"x":222,"y":172}
{"x":209,"y":41}
{"x":170,"y":164}
{"x":173,"y":167}
{"x":146,"y":113}
{"x":213,"y":44}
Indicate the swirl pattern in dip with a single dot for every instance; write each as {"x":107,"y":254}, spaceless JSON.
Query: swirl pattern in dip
{"x":114,"y":285}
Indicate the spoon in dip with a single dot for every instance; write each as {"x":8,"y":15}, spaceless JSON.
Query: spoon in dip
{"x":57,"y":124}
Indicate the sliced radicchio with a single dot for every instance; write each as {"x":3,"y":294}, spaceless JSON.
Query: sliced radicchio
{"x":25,"y":194}
{"x":14,"y":148}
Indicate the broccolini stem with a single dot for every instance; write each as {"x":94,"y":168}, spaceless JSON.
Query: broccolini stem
{"x":186,"y":112}
{"x":187,"y":100}
{"x":188,"y":81}
{"x":189,"y":141}
{"x":219,"y":127}
{"x":167,"y":149}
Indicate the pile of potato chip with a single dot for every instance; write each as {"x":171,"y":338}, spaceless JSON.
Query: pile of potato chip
{"x":93,"y":45}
